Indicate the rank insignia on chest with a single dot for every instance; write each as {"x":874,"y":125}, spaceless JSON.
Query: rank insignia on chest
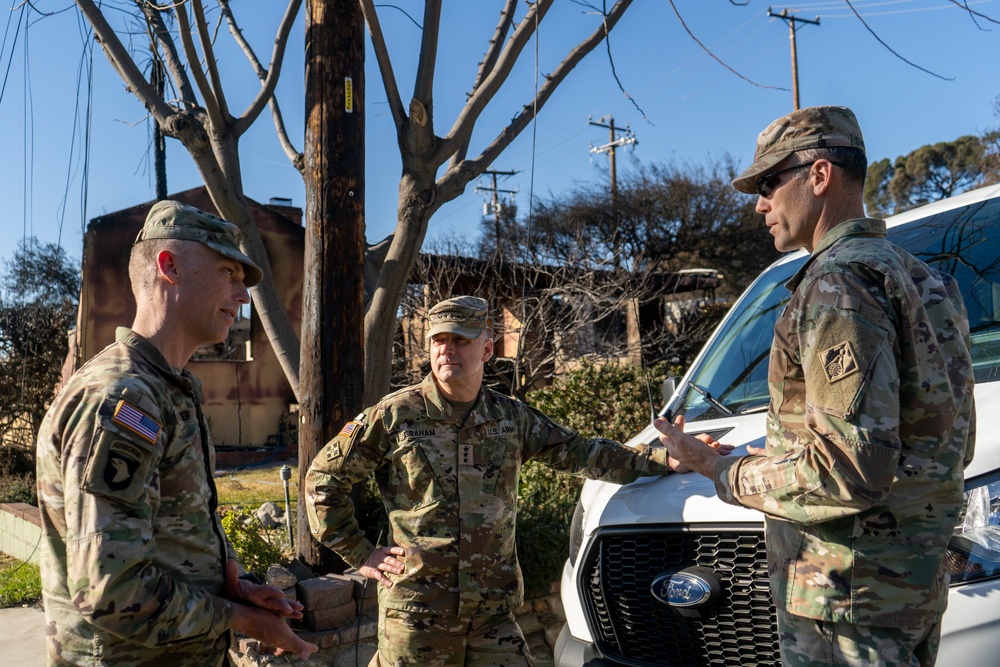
{"x":838,"y":361}
{"x":465,"y":457}
{"x":136,"y":421}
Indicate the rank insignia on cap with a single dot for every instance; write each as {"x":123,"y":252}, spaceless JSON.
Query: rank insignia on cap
{"x":838,"y":361}
{"x":349,"y":428}
{"x":137,"y":421}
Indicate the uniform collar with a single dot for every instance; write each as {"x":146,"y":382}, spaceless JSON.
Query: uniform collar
{"x":148,"y":351}
{"x":854,"y":227}
{"x":484,"y":410}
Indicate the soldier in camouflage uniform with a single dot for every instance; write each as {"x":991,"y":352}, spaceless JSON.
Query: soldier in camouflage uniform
{"x":871,"y":420}
{"x":446,"y":455}
{"x":135,"y":566}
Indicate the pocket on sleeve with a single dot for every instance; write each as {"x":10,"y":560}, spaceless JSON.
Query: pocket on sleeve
{"x":118,"y":467}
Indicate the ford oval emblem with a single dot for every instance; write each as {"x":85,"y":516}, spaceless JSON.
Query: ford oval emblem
{"x":692,"y":587}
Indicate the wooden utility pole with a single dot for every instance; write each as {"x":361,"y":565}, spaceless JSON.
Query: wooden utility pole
{"x":331,"y":372}
{"x":159,"y":142}
{"x":613,"y":143}
{"x":495,"y":201}
{"x":790,"y":19}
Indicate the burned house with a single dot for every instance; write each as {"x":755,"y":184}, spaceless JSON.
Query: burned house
{"x":248,"y":402}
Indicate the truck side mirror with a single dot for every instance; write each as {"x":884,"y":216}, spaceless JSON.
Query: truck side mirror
{"x":669,"y":387}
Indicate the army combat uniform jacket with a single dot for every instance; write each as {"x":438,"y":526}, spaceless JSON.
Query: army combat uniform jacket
{"x":133,"y":553}
{"x":450,"y":490}
{"x":870,"y":426}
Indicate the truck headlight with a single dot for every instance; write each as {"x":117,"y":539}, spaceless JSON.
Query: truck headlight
{"x":576,"y":533}
{"x":974,"y":550}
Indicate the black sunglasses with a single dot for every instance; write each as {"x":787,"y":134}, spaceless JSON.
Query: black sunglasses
{"x":768,"y":183}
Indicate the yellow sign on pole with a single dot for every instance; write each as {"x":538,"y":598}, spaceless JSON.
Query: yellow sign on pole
{"x":348,"y":94}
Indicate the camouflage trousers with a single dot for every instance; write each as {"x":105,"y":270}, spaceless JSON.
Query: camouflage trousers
{"x":407,"y":639}
{"x":808,"y":642}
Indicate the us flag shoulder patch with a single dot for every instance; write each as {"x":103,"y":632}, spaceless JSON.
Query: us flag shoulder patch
{"x":349,"y":428}
{"x":137,"y":421}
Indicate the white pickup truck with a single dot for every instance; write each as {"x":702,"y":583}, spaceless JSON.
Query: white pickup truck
{"x":661,"y":572}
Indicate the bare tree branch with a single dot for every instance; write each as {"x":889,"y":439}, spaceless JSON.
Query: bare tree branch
{"x":168,"y":50}
{"x":210,"y":62}
{"x":135,"y":82}
{"x":466,"y":120}
{"x":184,"y":26}
{"x":456,"y":178}
{"x":384,"y":65}
{"x":423,"y":86}
{"x":890,"y":49}
{"x":270,"y":79}
{"x":487,"y":64}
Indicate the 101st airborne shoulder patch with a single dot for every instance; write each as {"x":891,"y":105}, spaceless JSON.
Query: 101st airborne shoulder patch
{"x":121,"y":458}
{"x":839,"y":361}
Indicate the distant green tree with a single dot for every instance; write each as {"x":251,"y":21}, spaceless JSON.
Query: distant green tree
{"x":39,"y":290}
{"x":878,"y":201}
{"x":930,"y":173}
{"x":991,"y":156}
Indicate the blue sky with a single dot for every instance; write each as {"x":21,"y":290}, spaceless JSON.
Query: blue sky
{"x":695,"y":109}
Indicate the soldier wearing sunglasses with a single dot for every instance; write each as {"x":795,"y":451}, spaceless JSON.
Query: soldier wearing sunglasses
{"x":871,"y":419}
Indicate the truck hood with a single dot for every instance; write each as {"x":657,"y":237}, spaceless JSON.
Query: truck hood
{"x":691,"y":498}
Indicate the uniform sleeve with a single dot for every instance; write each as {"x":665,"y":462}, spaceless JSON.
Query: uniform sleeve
{"x":835,"y":453}
{"x":112,"y":447}
{"x":349,"y":458}
{"x":594,"y":458}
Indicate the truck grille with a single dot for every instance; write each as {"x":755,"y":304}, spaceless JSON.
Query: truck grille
{"x":632,"y":627}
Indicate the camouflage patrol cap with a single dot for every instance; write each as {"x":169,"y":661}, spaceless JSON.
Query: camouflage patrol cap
{"x":173,"y":220}
{"x":464,"y":316}
{"x":814,"y":127}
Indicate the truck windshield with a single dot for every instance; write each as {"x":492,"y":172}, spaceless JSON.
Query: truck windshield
{"x":964,"y":242}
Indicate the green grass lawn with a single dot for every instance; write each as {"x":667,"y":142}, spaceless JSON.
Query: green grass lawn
{"x":19,"y":582}
{"x":254,"y":486}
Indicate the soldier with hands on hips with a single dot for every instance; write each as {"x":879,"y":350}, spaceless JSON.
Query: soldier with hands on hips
{"x":446,"y":455}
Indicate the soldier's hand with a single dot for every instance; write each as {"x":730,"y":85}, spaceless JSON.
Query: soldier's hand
{"x":259,"y":595}
{"x":270,"y":629}
{"x":679,"y":466}
{"x":384,"y":559}
{"x":689,"y":452}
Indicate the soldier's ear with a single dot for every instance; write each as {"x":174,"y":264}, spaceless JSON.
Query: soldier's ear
{"x":487,"y":350}
{"x":166,"y":264}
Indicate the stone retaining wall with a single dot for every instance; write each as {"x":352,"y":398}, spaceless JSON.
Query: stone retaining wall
{"x":340,"y":615}
{"x":20,"y":531}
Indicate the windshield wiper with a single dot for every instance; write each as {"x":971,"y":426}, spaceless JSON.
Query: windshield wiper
{"x":718,"y":405}
{"x":750,"y":409}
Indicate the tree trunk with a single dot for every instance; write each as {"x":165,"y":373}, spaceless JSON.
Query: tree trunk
{"x":332,"y":367}
{"x":416,"y":197}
